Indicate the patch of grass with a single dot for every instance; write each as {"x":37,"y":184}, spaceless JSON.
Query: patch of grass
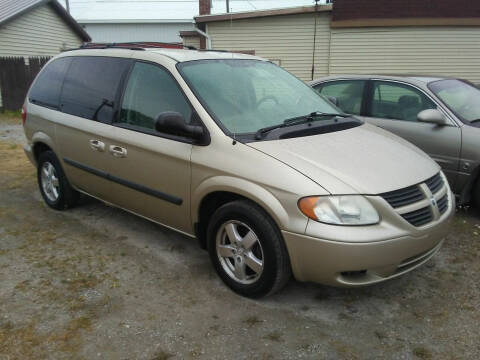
{"x":267,"y":356}
{"x":252,"y":321}
{"x":162,"y":355}
{"x":422,"y":353}
{"x":22,"y":286}
{"x":12,"y":113}
{"x":16,"y":170}
{"x":214,"y":327}
{"x":11,"y":117}
{"x":345,"y":351}
{"x":25,"y":342}
{"x":275,"y":336}
{"x":380,"y":334}
{"x":69,"y":340}
{"x":20,"y":341}
{"x":8,"y":325}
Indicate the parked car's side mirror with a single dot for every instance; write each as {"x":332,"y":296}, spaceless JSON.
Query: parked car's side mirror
{"x":333,"y":100}
{"x":432,"y":116}
{"x":173,"y":123}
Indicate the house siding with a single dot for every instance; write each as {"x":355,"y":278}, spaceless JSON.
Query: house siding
{"x":192,"y":41}
{"x":39,"y":32}
{"x":286,"y":40}
{"x":447,"y":51}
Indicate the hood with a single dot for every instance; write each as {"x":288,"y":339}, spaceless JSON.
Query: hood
{"x":363,"y":160}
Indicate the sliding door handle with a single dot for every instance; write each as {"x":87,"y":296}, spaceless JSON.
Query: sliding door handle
{"x":118,"y":151}
{"x":97,"y":145}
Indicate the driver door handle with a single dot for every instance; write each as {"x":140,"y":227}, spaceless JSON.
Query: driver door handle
{"x":118,"y":151}
{"x":97,"y":145}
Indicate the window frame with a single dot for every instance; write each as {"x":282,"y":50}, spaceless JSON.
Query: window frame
{"x":371,"y":91}
{"x":363,"y":106}
{"x":194,"y":116}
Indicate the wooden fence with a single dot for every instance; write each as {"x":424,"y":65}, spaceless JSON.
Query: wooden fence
{"x":16,"y":75}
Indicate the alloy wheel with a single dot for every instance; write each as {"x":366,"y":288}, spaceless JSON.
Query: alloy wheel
{"x":50,"y":183}
{"x":240,"y":252}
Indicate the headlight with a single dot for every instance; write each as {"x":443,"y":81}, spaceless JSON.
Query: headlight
{"x":339,"y":210}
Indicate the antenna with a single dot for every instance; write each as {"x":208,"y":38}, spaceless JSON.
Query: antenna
{"x":228,"y":5}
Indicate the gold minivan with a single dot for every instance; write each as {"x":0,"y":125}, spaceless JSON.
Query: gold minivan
{"x":235,"y":151}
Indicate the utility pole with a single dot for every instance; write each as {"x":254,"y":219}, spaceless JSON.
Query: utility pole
{"x":68,"y":6}
{"x":228,"y":6}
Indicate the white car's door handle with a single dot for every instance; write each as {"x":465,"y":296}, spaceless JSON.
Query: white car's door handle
{"x":118,"y":151}
{"x":97,"y":145}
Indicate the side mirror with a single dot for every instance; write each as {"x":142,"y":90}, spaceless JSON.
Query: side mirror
{"x":333,"y":100}
{"x":432,"y":116}
{"x":173,"y":123}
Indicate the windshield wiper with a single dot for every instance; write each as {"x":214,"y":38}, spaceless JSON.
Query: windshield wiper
{"x":474,"y":121}
{"x":296,"y":121}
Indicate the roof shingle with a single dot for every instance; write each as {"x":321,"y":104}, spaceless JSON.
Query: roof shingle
{"x":10,"y":9}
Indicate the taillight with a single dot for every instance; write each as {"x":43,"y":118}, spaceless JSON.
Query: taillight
{"x":24,"y":115}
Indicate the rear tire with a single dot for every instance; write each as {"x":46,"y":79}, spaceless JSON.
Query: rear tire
{"x":247,"y":250}
{"x":53,"y":184}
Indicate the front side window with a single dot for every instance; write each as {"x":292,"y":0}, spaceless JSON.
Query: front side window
{"x":348,"y":93}
{"x":247,"y":95}
{"x":46,"y":89}
{"x":462,"y":98}
{"x":150,"y":91}
{"x":91,"y":86}
{"x":398,"y":101}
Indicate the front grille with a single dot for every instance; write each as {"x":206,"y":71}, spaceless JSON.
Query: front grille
{"x":416,"y":204}
{"x":435,"y":183}
{"x":443,"y":204}
{"x":419,"y":217}
{"x":403,"y":197}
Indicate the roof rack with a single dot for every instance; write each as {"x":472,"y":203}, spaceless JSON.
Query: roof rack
{"x":131,"y":45}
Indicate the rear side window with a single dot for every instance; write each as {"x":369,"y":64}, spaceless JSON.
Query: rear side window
{"x":46,"y":89}
{"x":91,"y":86}
{"x":349,"y":94}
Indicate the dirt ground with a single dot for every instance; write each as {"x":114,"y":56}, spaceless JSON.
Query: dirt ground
{"x":98,"y":283}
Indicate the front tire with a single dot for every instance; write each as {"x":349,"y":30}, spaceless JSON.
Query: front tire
{"x":53,"y":184}
{"x":247,"y":250}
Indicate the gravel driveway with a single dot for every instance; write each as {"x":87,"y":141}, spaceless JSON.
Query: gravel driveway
{"x":97,"y":282}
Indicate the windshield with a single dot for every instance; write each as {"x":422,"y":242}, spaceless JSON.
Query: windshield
{"x":247,"y":95}
{"x":462,"y":98}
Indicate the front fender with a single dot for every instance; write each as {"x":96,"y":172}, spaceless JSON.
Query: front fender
{"x":251,"y":191}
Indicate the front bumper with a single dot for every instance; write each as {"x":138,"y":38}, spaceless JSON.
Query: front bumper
{"x":346,"y":261}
